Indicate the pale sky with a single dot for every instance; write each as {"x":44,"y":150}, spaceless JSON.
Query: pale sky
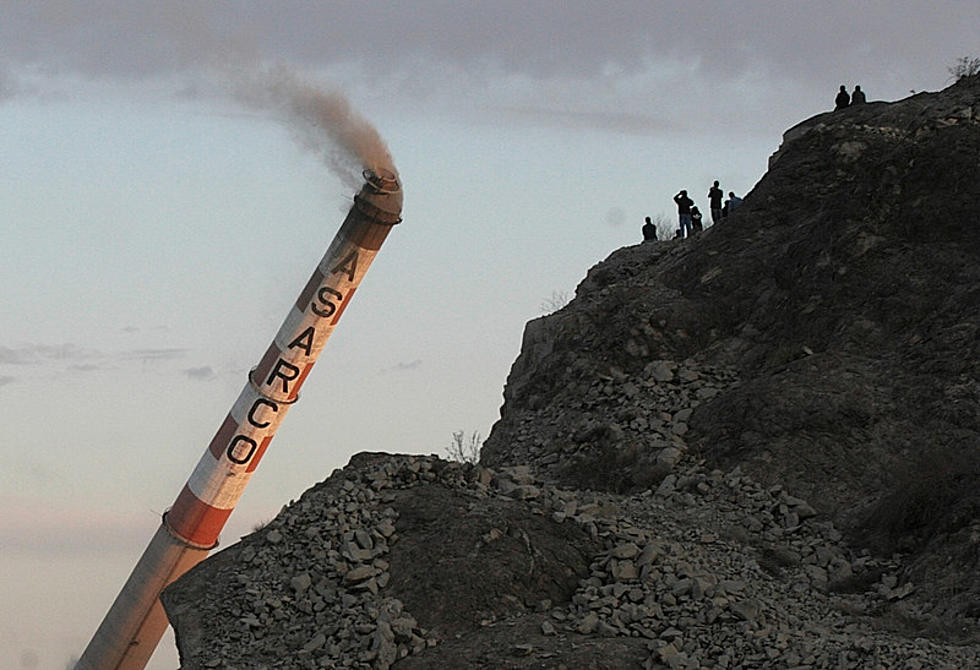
{"x":156,"y":231}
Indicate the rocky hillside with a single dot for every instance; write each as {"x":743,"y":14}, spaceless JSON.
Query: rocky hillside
{"x":757,"y":448}
{"x":826,"y":336}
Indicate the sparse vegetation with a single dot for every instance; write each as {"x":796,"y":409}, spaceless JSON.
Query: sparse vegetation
{"x":463,"y":449}
{"x":935,"y":493}
{"x":616,"y":468}
{"x":964,"y":67}
{"x":666,"y":227}
{"x":557,"y":300}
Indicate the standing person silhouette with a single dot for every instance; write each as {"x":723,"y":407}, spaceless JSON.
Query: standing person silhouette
{"x":684,"y":213}
{"x":715,"y":195}
{"x":857,"y":97}
{"x":843,"y":99}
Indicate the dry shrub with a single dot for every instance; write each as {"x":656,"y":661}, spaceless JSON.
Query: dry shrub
{"x":616,"y":469}
{"x":937,"y":492}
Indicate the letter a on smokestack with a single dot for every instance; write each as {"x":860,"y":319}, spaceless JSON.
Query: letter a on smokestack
{"x":136,"y":621}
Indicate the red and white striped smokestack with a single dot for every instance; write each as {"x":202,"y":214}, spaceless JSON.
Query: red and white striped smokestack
{"x":136,"y":621}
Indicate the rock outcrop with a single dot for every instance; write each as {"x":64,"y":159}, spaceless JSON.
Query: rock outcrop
{"x":826,"y":337}
{"x":756,"y":448}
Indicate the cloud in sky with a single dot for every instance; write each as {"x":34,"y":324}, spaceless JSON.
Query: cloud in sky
{"x":403,"y":366}
{"x":8,"y":83}
{"x":72,"y":357}
{"x":10,"y":356}
{"x":412,"y":41}
{"x":203,"y":373}
{"x":633,"y":67}
{"x":166,"y":354}
{"x":36,"y":354}
{"x":619,"y":121}
{"x":543,"y":38}
{"x":616,"y":216}
{"x":85,"y":367}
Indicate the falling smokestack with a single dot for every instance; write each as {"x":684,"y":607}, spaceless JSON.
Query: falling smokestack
{"x":136,"y":621}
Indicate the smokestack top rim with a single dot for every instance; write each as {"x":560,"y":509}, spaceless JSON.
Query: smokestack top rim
{"x":381,"y":180}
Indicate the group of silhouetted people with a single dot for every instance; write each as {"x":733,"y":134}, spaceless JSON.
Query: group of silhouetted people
{"x":690,"y":217}
{"x":844,"y":99}
{"x":688,"y":214}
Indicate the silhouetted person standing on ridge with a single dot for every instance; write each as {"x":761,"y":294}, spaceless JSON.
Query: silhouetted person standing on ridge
{"x":857,"y":97}
{"x":684,"y":213}
{"x":843,"y":99}
{"x":715,"y":195}
{"x":649,"y":231}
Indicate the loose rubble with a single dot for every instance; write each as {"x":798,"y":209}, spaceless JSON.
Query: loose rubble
{"x":708,"y":570}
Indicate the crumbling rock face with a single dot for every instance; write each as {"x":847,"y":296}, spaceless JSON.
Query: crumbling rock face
{"x":505,"y":558}
{"x":825,"y":337}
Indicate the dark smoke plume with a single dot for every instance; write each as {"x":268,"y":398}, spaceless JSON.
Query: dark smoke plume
{"x":200,"y":44}
{"x":323,"y":121}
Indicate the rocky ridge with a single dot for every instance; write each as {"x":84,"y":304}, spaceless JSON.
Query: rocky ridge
{"x":699,"y":462}
{"x":826,"y":337}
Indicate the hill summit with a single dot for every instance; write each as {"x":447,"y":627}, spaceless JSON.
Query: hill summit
{"x":754,"y":448}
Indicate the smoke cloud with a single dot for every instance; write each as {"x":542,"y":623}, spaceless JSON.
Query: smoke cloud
{"x":322,"y":120}
{"x":211,"y":51}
